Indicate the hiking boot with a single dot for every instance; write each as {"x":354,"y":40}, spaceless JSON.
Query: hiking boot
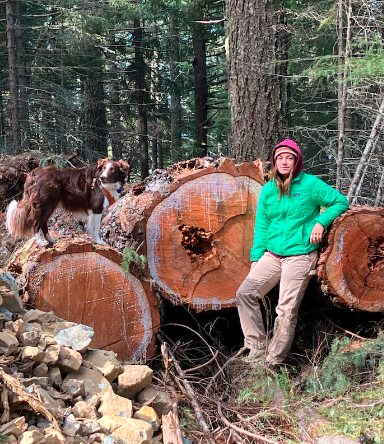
{"x":256,"y":355}
{"x":272,"y":367}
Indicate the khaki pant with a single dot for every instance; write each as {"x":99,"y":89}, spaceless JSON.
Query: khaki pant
{"x":293,"y":272}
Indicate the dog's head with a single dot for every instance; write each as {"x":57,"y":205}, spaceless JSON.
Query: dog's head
{"x":112,"y":172}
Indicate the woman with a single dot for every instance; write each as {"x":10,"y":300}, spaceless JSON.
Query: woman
{"x":288,"y":230}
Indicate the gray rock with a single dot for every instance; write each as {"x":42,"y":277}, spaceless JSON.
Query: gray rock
{"x":78,"y":337}
{"x":8,"y":342}
{"x":10,"y":293}
{"x":40,"y":316}
{"x":5,"y":314}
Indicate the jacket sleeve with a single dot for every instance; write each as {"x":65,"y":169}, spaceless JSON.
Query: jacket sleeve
{"x":261,"y":227}
{"x":326,"y":196}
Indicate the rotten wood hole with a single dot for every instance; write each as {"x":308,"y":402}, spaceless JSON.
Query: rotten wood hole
{"x":197,"y":242}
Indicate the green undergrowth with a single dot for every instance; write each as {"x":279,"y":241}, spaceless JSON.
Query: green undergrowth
{"x":346,"y":389}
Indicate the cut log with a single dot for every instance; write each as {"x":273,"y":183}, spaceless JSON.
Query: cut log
{"x":351,"y":268}
{"x":83,"y":282}
{"x":195,"y":223}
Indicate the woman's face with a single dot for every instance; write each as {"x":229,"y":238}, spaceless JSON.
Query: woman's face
{"x":285,"y":163}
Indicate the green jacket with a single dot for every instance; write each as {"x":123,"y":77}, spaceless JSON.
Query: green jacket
{"x":284,"y":226}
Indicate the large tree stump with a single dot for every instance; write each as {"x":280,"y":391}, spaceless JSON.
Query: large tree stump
{"x":83,"y":282}
{"x":351,"y":268}
{"x":195,"y":223}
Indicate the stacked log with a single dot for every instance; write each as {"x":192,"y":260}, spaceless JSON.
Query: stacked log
{"x":351,"y":269}
{"x":84,"y":283}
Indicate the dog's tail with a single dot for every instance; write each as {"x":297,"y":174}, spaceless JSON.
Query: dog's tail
{"x":19,"y":222}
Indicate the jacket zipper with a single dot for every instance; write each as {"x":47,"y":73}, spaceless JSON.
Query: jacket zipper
{"x":284,"y":218}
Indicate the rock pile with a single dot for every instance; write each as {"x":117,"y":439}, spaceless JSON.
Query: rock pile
{"x":55,"y":390}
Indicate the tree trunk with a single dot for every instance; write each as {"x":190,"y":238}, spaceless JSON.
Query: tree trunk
{"x":142,"y":125}
{"x":257,"y":92}
{"x":175,"y":105}
{"x":83,"y":283}
{"x":194,"y":223}
{"x":116,"y":131}
{"x":22,"y":81}
{"x":200,"y":89}
{"x":351,"y":268}
{"x":13,"y":89}
{"x":95,"y":115}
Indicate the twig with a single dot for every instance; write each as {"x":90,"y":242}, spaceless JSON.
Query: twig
{"x":346,"y":331}
{"x":190,"y":370}
{"x":194,"y":331}
{"x":373,"y":404}
{"x":239,"y":353}
{"x":14,"y":385}
{"x":239,"y":429}
{"x":196,"y":407}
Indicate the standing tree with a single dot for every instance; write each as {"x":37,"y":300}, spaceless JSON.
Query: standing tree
{"x":256,"y":81}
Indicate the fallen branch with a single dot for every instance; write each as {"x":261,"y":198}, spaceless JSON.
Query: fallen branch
{"x":168,"y":355}
{"x":15,"y":386}
{"x":171,"y":427}
{"x":346,"y":331}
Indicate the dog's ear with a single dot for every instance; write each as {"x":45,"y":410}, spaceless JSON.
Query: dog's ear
{"x":124,"y":167}
{"x":101,"y":162}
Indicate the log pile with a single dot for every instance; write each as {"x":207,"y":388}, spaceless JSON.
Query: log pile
{"x":56,"y":389}
{"x":194,"y":222}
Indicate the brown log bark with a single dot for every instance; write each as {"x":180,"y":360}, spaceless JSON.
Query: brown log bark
{"x":351,"y":268}
{"x":194,"y":222}
{"x":83,"y":282}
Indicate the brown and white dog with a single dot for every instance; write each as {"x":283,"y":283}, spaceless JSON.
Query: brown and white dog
{"x":80,"y":191}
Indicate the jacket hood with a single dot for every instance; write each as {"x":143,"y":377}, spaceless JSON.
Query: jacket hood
{"x":293,"y":146}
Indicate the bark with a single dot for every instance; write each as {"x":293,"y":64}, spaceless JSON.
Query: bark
{"x":175,"y":105}
{"x":83,"y":282}
{"x":342,"y":91}
{"x":95,"y":114}
{"x":13,"y":89}
{"x":142,"y":125}
{"x":116,"y":130}
{"x":154,"y":152}
{"x":380,"y":189}
{"x":351,"y":267}
{"x":258,"y":90}
{"x":22,"y":81}
{"x":194,"y":222}
{"x":200,"y":89}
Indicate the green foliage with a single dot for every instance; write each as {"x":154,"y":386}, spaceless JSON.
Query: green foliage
{"x":131,"y":256}
{"x":262,"y":384}
{"x":3,"y":438}
{"x":343,"y":367}
{"x":187,"y":418}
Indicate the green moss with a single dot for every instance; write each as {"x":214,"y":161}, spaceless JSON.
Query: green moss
{"x":131,"y":256}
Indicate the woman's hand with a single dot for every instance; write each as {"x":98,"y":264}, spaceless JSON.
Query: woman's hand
{"x":317,"y":234}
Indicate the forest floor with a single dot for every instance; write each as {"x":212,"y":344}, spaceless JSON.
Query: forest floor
{"x":331,"y":390}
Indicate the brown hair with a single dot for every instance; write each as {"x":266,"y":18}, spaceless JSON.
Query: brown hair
{"x":283,"y":186}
